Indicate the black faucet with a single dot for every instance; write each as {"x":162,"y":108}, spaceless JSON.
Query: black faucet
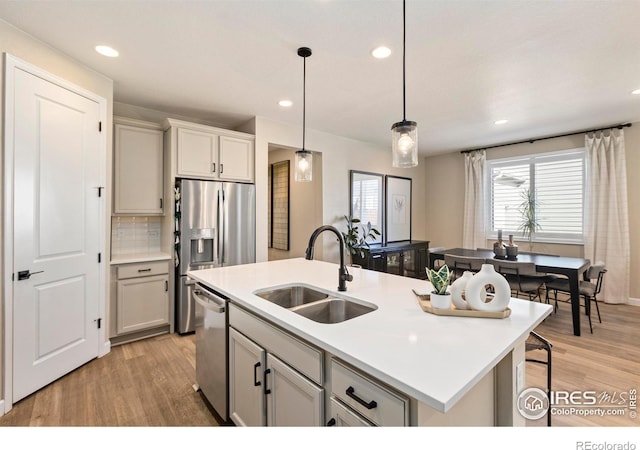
{"x":343,"y":274}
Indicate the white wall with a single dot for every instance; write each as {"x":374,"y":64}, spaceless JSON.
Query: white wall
{"x":339,"y":155}
{"x":29,"y":49}
{"x":305,"y":206}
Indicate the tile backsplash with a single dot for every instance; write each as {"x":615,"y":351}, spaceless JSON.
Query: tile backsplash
{"x":133,"y":234}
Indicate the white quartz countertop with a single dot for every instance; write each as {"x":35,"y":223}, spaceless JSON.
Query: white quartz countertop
{"x":139,"y":257}
{"x":434,"y":359}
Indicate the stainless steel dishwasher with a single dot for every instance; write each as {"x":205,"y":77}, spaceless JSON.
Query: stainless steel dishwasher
{"x":212,"y":371}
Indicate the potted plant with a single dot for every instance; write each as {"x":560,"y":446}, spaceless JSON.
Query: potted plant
{"x":355,"y":242}
{"x":528,"y":208}
{"x":440,"y":297}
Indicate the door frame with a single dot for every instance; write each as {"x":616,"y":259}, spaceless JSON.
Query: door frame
{"x":11,"y":63}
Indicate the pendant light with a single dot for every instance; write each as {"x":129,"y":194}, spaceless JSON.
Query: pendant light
{"x":404,"y":134}
{"x":304,"y":158}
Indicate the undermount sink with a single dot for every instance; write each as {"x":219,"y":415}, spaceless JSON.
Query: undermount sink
{"x":291,"y":296}
{"x":315,"y":305}
{"x":332,"y":310}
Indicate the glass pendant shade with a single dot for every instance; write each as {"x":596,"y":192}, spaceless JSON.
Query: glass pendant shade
{"x":404,"y":138}
{"x":304,"y":165}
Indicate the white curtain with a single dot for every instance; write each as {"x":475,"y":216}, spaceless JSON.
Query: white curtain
{"x":473,"y":232}
{"x":607,"y":221}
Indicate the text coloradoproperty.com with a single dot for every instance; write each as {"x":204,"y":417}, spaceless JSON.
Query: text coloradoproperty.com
{"x":573,"y":411}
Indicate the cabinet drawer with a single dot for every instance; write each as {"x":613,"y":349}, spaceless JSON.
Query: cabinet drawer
{"x":142,"y":269}
{"x":385,"y":408}
{"x":301,"y":356}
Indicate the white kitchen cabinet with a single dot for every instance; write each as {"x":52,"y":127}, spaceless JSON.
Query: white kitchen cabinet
{"x":246,"y":378}
{"x":197,"y":153}
{"x":205,"y":152}
{"x":236,"y":159}
{"x":292,"y":400}
{"x":266,"y":381}
{"x":367,"y":398}
{"x":342,"y":416}
{"x":142,"y":298}
{"x":138,"y":167}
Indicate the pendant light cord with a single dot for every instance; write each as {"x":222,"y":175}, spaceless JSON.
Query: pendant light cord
{"x":304,"y":99}
{"x":404,"y":51}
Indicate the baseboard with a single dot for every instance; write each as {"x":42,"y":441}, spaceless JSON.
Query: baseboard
{"x":1,"y":408}
{"x":106,"y":348}
{"x":634,"y":301}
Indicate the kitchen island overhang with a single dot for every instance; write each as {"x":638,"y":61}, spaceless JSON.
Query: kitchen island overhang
{"x":435,"y":360}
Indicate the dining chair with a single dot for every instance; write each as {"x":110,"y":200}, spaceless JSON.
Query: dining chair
{"x":533,"y":343}
{"x":460,"y":264}
{"x":522,"y":277}
{"x":437,"y":263}
{"x":587,"y":289}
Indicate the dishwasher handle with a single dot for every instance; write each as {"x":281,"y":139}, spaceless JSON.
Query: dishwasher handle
{"x":209,"y":301}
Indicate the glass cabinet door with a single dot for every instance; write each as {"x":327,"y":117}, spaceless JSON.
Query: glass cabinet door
{"x":394,"y":263}
{"x":409,"y":263}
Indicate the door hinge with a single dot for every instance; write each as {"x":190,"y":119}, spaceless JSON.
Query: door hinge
{"x":99,"y":320}
{"x":100,"y":126}
{"x":99,"y":258}
{"x":100,"y":188}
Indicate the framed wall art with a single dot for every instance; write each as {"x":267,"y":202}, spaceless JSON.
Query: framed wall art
{"x":397,"y":209}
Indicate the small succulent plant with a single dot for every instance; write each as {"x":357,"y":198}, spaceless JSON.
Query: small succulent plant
{"x":439,"y":279}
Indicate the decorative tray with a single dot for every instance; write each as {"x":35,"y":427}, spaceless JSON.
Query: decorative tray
{"x":425,"y":304}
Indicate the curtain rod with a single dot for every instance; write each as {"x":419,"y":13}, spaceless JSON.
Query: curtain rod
{"x":531,"y":141}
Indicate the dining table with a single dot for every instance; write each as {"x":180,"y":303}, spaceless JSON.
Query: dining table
{"x":572,"y":268}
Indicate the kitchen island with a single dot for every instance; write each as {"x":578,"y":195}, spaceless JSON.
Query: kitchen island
{"x":452,"y":370}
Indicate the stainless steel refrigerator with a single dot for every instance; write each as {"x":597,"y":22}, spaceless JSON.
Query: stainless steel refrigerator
{"x":215,"y":227}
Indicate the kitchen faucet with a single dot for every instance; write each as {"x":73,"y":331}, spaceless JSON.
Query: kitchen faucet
{"x":343,"y":274}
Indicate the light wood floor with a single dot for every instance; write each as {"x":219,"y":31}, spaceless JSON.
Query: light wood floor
{"x":149,"y":382}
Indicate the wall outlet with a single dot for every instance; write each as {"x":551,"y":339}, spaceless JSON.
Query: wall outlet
{"x":520,"y":377}
{"x":120,"y":234}
{"x":155,"y":234}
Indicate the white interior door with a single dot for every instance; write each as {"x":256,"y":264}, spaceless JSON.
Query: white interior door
{"x":56,"y":231}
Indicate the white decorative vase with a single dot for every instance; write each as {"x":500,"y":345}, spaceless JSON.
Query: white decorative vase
{"x":476,"y":294}
{"x":440,"y":301}
{"x":458,"y":290}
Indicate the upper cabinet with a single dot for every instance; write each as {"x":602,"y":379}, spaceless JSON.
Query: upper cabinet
{"x":138,"y":167}
{"x":206,"y":152}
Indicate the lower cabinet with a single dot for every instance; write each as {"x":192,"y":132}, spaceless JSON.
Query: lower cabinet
{"x":263,"y":390}
{"x":276,"y":379}
{"x":141,"y":300}
{"x":342,"y":416}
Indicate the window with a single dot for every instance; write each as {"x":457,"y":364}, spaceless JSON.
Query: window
{"x":556,"y":181}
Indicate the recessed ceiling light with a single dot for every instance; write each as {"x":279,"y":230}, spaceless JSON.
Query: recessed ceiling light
{"x":636,"y":92}
{"x":285,"y":103}
{"x":501,"y":121}
{"x":381,"y":52}
{"x":107,"y":51}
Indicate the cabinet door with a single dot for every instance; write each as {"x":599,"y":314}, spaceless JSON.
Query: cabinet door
{"x":409,"y":263}
{"x":394,"y":262}
{"x":138,"y":171}
{"x":142,"y":303}
{"x":343,"y":416}
{"x":197,"y":153}
{"x":246,"y":390}
{"x":292,"y":400}
{"x":236,"y":159}
{"x":378,"y":262}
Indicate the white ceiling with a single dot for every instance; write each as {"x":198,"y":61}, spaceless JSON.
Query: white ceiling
{"x":548,"y":66}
